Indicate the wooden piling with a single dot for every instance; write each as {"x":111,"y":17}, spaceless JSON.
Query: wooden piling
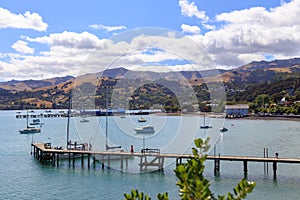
{"x":57,"y":159}
{"x":245,"y":167}
{"x":274,"y":169}
{"x":217,"y":165}
{"x":121,"y":162}
{"x":73,"y":155}
{"x":89,"y":164}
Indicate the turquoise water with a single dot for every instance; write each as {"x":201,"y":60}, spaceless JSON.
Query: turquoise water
{"x":23,"y":177}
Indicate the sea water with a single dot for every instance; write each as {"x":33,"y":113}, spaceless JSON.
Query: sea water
{"x":23,"y":177}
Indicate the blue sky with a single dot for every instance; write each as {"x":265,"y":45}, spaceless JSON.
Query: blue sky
{"x":43,"y":39}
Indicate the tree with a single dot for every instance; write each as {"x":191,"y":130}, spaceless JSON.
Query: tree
{"x":262,"y":99}
{"x":192,"y":184}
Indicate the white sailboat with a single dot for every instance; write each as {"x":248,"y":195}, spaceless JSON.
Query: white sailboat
{"x":204,"y":126}
{"x":107,"y":147}
{"x":29,"y":129}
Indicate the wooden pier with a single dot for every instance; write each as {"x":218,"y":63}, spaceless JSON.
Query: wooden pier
{"x":41,"y":115}
{"x":148,"y":157}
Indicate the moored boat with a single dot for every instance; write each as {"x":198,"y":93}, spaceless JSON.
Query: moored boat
{"x":223,"y":129}
{"x":144,"y":129}
{"x":30,"y":129}
{"x":142,"y":119}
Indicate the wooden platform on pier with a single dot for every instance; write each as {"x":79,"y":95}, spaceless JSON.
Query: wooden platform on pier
{"x":152,"y":157}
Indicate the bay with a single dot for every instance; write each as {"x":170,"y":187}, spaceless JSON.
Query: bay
{"x":23,"y":177}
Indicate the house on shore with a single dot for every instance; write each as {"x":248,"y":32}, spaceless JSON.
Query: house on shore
{"x":238,"y":110}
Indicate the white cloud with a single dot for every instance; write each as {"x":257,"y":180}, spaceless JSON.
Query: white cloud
{"x":191,"y":10}
{"x":250,"y":34}
{"x":66,"y":55}
{"x":22,"y":47}
{"x":22,"y":21}
{"x":241,"y":38}
{"x":67,"y":39}
{"x":190,"y":29}
{"x":71,"y":53}
{"x":108,"y":28}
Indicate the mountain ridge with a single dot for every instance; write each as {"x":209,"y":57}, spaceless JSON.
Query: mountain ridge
{"x":53,"y":92}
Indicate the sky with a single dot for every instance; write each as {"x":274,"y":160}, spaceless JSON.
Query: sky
{"x":49,"y":38}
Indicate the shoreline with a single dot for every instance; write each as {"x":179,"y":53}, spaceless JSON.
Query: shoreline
{"x":282,"y":118}
{"x":250,"y":117}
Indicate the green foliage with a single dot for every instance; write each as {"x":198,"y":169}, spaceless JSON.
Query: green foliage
{"x":191,"y":182}
{"x":136,"y":195}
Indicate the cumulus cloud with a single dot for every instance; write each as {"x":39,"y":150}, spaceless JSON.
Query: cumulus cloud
{"x":251,"y":33}
{"x":66,"y":54}
{"x":191,"y":10}
{"x":22,"y":21}
{"x":22,"y":47}
{"x":108,"y":28}
{"x":72,"y":53}
{"x":190,"y":29}
{"x":242,"y":36}
{"x":67,"y":39}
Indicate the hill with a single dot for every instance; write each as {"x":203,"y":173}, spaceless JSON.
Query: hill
{"x":242,"y":84}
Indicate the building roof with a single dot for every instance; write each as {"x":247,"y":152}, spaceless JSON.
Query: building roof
{"x":237,"y":106}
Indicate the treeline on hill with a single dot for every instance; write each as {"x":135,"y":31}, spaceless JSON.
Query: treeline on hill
{"x":281,"y":95}
{"x":277,"y":96}
{"x":56,"y":98}
{"x":113,"y":93}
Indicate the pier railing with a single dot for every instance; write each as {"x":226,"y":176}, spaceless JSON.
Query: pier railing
{"x":148,"y":157}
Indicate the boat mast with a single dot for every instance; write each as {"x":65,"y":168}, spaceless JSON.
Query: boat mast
{"x":27,"y":116}
{"x":68,"y":123}
{"x":106,"y":121}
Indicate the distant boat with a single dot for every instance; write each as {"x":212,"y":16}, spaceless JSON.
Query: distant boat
{"x":223,"y":129}
{"x":144,"y":129}
{"x":83,"y":120}
{"x":204,"y":126}
{"x":142,"y":119}
{"x":36,"y":122}
{"x":29,"y":129}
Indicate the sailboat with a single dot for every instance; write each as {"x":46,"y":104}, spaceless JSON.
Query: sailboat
{"x":204,"y":126}
{"x":29,"y":129}
{"x":70,"y":145}
{"x":107,"y":147}
{"x":142,"y":119}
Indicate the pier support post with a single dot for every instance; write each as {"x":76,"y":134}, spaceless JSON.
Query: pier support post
{"x":82,"y":160}
{"x":108,"y":161}
{"x":69,"y":159}
{"x":121,"y":162}
{"x":89,"y":164}
{"x":57,"y":159}
{"x":245,"y":167}
{"x":141,"y":163}
{"x":94,"y":161}
{"x":217,"y":166}
{"x":274,"y":169}
{"x":102,"y":163}
{"x":73,"y":159}
{"x":161,"y":161}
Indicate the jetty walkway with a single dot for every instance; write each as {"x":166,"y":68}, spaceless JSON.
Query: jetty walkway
{"x":148,"y":157}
